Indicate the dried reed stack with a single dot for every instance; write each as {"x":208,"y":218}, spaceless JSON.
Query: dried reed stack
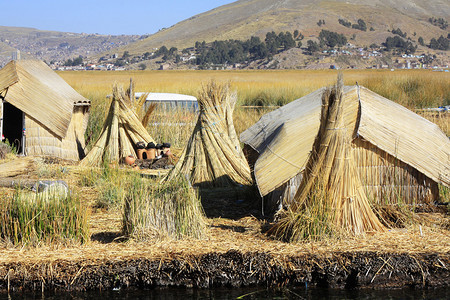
{"x":138,"y":105}
{"x":4,"y":150}
{"x":171,"y":210}
{"x":331,"y":197}
{"x":122,"y":130}
{"x":213,"y":156}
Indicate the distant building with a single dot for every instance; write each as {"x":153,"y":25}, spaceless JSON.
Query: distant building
{"x":164,"y":67}
{"x":15,"y":55}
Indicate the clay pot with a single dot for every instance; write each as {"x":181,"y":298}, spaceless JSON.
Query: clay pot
{"x":140,"y":153}
{"x":151,"y":153}
{"x":129,"y":160}
{"x":167,"y":153}
{"x":140,"y":145}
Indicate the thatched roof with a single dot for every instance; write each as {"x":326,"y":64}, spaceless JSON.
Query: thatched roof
{"x":405,"y":135}
{"x":34,"y":88}
{"x":284,"y":137}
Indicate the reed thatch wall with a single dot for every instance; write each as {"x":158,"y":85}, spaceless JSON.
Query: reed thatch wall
{"x":39,"y":92}
{"x":405,"y":135}
{"x":388,"y":180}
{"x":55,"y":114}
{"x":283,"y":138}
{"x":41,"y":142}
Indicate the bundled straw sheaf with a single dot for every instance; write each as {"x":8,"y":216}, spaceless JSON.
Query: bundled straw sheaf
{"x":213,"y":156}
{"x":331,"y":197}
{"x":121,"y":132}
{"x":169,"y":210}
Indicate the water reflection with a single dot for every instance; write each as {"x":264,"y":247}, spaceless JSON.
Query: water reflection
{"x":239,"y":293}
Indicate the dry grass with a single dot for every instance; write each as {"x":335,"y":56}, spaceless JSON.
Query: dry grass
{"x":412,"y":88}
{"x":220,"y":239}
{"x":428,"y":235}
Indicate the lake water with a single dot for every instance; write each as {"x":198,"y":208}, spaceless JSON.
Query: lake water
{"x":240,"y":293}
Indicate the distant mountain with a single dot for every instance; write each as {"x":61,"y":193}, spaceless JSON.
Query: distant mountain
{"x":418,"y":21}
{"x":56,"y":46}
{"x":244,"y":18}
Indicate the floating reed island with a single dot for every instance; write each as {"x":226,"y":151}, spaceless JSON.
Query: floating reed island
{"x":337,"y":189}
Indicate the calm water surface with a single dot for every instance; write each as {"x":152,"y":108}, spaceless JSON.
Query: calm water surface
{"x":240,"y":293}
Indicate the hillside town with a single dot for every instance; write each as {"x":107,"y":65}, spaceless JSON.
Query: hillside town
{"x":348,"y":57}
{"x":277,"y":50}
{"x":55,"y":48}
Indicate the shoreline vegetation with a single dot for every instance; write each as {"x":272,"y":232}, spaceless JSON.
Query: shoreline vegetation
{"x":112,"y":247}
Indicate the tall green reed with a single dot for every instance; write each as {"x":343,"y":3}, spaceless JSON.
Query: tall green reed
{"x":111,"y":183}
{"x":31,"y":219}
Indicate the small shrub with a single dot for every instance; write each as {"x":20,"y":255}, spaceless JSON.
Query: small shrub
{"x":4,"y":150}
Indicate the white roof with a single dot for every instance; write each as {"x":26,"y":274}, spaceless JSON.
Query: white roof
{"x":167,"y":97}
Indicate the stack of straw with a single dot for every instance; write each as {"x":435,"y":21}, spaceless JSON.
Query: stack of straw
{"x":121,"y":131}
{"x":213,"y":156}
{"x":171,"y":210}
{"x":331,"y":197}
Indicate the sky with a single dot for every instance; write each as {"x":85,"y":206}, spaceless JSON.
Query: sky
{"x":102,"y":16}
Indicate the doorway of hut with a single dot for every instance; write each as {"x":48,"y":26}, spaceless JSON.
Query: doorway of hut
{"x":13,"y":126}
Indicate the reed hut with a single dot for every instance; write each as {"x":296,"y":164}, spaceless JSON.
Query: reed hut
{"x":121,"y":132}
{"x":40,"y":113}
{"x":398,"y":155}
{"x":213,"y":156}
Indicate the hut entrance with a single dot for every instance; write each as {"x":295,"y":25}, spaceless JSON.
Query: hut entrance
{"x":13,"y":126}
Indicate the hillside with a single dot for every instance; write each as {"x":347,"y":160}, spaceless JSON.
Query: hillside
{"x":244,"y":18}
{"x":53,"y":45}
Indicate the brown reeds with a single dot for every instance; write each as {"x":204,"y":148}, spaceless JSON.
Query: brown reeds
{"x":331,"y":197}
{"x":121,"y":131}
{"x":213,"y":156}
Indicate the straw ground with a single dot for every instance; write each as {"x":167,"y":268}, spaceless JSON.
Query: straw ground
{"x":59,"y":265}
{"x":106,"y":247}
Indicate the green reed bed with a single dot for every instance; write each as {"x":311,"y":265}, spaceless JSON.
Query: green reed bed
{"x":111,"y":183}
{"x":31,"y":219}
{"x":169,"y":210}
